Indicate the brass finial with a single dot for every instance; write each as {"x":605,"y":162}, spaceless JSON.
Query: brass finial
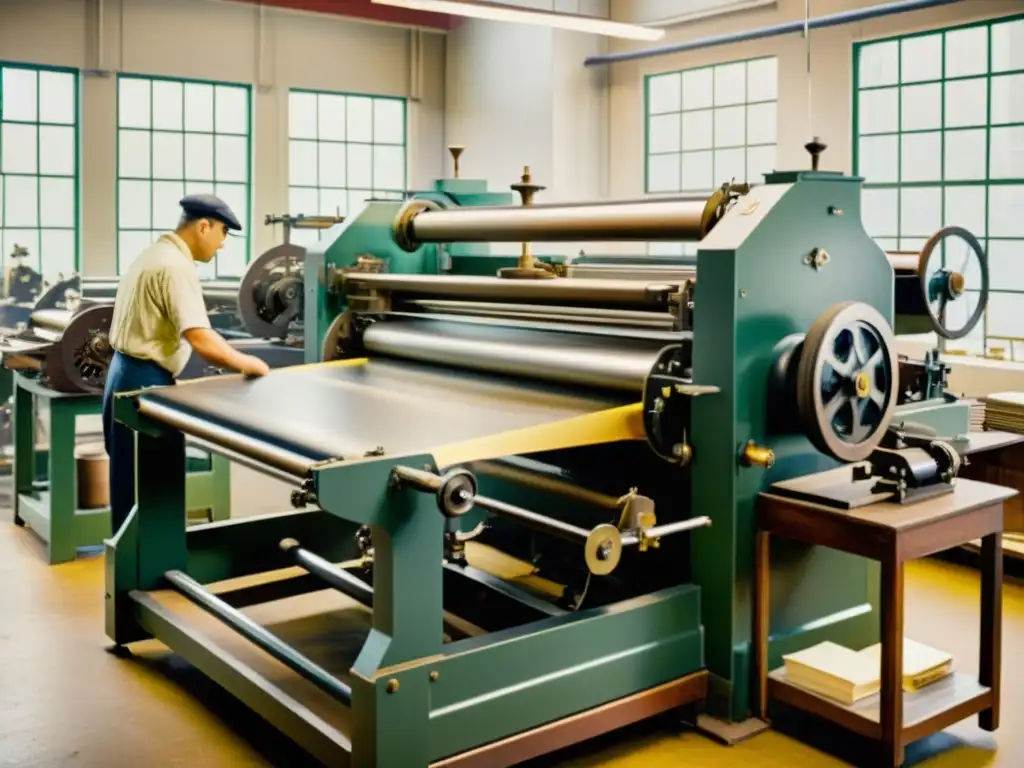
{"x":527,"y":268}
{"x":456,"y":152}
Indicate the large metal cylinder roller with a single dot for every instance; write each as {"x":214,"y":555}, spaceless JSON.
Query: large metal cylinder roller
{"x":616,"y":362}
{"x":681,"y":219}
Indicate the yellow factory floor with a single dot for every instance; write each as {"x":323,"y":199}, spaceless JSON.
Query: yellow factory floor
{"x":65,"y":702}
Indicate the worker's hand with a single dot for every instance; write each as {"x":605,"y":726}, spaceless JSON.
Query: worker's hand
{"x":254,"y":366}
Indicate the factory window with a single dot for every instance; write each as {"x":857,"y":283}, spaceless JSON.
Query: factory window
{"x":343,"y":149}
{"x":179,"y":137}
{"x":708,"y":126}
{"x":39,"y":168}
{"x":938,"y":122}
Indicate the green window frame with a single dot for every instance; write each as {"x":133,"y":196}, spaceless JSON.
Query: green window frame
{"x":938,"y":135}
{"x":343,"y":148}
{"x":40,"y":172}
{"x":708,"y":125}
{"x":175,"y":137}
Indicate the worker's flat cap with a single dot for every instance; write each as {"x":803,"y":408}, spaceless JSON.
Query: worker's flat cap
{"x":210,"y":206}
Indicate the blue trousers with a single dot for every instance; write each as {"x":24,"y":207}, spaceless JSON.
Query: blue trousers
{"x":125,"y":374}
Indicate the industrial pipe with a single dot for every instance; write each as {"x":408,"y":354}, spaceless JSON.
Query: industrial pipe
{"x":248,"y":628}
{"x":676,"y":220}
{"x":775,"y":30}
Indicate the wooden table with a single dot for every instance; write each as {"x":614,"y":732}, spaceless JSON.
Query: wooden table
{"x":892,"y":534}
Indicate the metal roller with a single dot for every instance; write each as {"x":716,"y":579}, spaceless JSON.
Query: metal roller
{"x":574,"y":292}
{"x":53,"y":319}
{"x":582,"y":315}
{"x":681,"y":220}
{"x":272,"y":456}
{"x":602,"y":362}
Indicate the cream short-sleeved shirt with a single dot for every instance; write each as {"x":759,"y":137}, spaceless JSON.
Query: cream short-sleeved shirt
{"x":158,"y":299}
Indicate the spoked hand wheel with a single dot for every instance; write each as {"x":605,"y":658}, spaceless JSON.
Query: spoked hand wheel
{"x":847,"y":381}
{"x":950,"y":259}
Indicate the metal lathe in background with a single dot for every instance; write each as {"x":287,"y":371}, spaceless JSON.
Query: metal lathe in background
{"x":525,"y":500}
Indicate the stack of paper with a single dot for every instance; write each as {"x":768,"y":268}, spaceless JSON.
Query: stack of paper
{"x":1005,"y":411}
{"x":848,"y":676}
{"x":922,"y":664}
{"x":977,"y":413}
{"x":834,"y":671}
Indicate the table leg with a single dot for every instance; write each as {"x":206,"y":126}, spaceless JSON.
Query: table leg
{"x":990,"y":661}
{"x":891,"y":714}
{"x":762,"y":591}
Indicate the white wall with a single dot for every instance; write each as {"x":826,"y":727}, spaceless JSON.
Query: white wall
{"x":210,"y":40}
{"x":518,"y":95}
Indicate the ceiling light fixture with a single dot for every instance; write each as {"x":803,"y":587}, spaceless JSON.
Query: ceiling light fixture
{"x":496,"y":12}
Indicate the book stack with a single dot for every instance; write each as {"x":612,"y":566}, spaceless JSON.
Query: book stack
{"x":1005,"y":411}
{"x":847,"y":676}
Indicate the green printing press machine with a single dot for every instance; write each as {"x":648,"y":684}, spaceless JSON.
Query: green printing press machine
{"x":524,"y":500}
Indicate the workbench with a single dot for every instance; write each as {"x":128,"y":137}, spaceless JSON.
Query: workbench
{"x":46,"y":499}
{"x":890,"y":534}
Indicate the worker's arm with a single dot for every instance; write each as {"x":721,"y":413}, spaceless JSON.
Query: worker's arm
{"x":212,"y":347}
{"x":187,"y":310}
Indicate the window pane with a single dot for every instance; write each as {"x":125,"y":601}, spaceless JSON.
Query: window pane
{"x":331,"y":117}
{"x":301,"y":115}
{"x":359,"y":122}
{"x":722,"y":126}
{"x":231,"y":162}
{"x":168,"y":155}
{"x":921,"y":58}
{"x":198,"y":156}
{"x":57,"y":97}
{"x":331,"y":164}
{"x":20,"y":91}
{"x":39,"y":167}
{"x":388,"y":167}
{"x":360,"y":162}
{"x":232,"y":109}
{"x":967,"y":52}
{"x":879,"y":64}
{"x":198,"y":107}
{"x":168,"y":105}
{"x":133,"y":105}
{"x":388,"y":122}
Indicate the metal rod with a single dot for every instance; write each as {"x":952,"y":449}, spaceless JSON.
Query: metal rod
{"x":246,"y":461}
{"x":261,"y":453}
{"x":650,"y":220}
{"x":786,"y":28}
{"x":273,"y":645}
{"x":637,"y":293}
{"x":565,"y":358}
{"x":583,"y":315}
{"x":668,"y":529}
{"x":534,"y":520}
{"x":338,"y":578}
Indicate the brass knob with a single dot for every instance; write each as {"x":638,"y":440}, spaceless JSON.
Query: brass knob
{"x":755,"y":455}
{"x":526,"y":188}
{"x":456,"y":152}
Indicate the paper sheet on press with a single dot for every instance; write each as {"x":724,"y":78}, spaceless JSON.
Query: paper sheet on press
{"x":349,"y":408}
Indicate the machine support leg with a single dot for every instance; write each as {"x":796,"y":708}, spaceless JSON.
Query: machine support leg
{"x":273,"y":645}
{"x":24,"y":446}
{"x":63,"y":539}
{"x":326,"y":571}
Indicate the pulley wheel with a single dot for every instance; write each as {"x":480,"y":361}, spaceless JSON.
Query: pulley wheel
{"x":950,"y":258}
{"x":847,"y":381}
{"x":603,"y":549}
{"x":338,"y":342}
{"x":269,"y":297}
{"x":78,"y":363}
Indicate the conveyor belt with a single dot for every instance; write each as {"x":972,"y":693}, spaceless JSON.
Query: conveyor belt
{"x":350,"y":408}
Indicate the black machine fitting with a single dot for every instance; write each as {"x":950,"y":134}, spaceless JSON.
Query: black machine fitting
{"x":455,"y":490}
{"x":815,"y":147}
{"x":304,"y":495}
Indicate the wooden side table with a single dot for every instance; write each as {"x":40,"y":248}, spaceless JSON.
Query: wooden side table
{"x":892,"y":534}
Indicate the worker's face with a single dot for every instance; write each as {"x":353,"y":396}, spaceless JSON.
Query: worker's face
{"x":210,"y":237}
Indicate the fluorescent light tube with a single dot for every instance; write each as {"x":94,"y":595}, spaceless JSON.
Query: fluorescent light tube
{"x":495,"y":12}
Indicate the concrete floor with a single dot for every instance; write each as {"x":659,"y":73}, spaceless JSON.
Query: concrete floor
{"x":65,"y":702}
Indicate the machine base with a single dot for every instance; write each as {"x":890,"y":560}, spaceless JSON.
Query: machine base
{"x":731,"y":733}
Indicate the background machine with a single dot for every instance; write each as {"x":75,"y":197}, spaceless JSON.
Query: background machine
{"x":525,"y":501}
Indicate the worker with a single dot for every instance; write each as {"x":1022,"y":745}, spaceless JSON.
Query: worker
{"x":159,"y":320}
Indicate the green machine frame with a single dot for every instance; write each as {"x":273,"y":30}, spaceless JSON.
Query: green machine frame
{"x":760,"y":294}
{"x":46,"y":499}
